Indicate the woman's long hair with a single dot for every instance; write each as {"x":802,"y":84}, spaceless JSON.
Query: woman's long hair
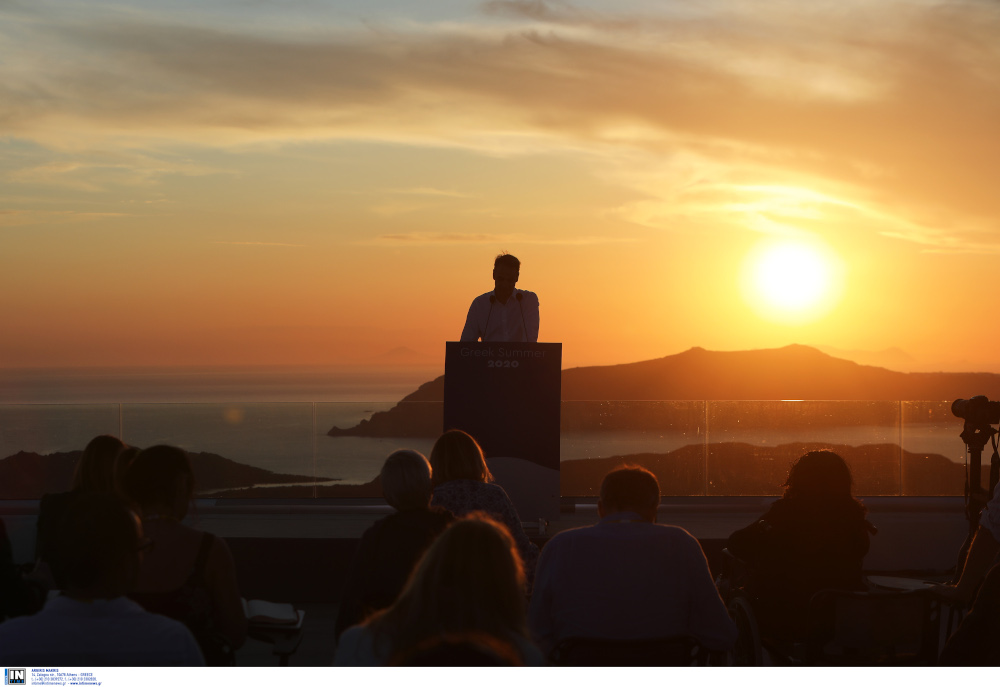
{"x":151,"y":480}
{"x":470,"y":580}
{"x":819,"y":476}
{"x":456,"y":455}
{"x":96,"y":469}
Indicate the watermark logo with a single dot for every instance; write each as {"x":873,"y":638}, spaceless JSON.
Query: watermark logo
{"x":14,"y":676}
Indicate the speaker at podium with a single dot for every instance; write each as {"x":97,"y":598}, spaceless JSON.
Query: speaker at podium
{"x":507,"y":396}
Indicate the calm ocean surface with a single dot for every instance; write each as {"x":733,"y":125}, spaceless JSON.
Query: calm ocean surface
{"x":277,"y":418}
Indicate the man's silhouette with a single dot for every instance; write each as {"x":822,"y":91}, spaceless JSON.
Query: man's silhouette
{"x":97,"y":554}
{"x":505,"y":313}
{"x":626,"y":577}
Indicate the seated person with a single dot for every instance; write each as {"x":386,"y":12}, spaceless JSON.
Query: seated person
{"x":814,"y":537}
{"x":391,"y":547}
{"x":463,"y":484}
{"x":470,"y":582}
{"x":627,"y":577}
{"x":122,"y":463}
{"x":92,"y":623}
{"x":981,"y":556}
{"x":94,"y":473}
{"x":188,"y":575}
{"x":18,"y":594}
{"x":977,"y":640}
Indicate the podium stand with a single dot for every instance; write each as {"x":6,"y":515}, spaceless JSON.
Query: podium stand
{"x":507,"y":396}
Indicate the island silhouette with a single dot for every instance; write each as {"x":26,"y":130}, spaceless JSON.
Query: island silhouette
{"x":792,"y":372}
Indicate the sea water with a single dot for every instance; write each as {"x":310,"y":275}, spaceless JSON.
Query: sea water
{"x":278,"y":418}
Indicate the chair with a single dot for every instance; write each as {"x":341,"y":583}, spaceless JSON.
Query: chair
{"x":893,"y":628}
{"x":594,"y":652}
{"x":749,"y":649}
{"x":731,"y":584}
{"x":285,"y":641}
{"x":847,"y":628}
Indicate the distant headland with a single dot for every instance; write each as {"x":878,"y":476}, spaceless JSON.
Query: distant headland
{"x":792,"y":372}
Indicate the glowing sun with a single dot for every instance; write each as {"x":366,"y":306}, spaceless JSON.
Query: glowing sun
{"x":791,"y":281}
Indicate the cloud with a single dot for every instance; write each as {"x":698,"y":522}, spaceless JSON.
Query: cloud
{"x":423,"y":239}
{"x":889,"y":107}
{"x":20,"y":218}
{"x":259,"y":243}
{"x":436,"y":192}
{"x":418,"y":238}
{"x":415,"y":199}
{"x":98,"y":170}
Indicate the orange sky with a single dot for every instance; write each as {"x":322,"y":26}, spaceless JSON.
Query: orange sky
{"x":222,"y":183}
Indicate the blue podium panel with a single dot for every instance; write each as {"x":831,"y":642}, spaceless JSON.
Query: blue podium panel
{"x":507,"y":396}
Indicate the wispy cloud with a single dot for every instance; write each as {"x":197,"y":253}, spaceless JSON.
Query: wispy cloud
{"x":259,"y":243}
{"x":890,"y":107}
{"x":20,"y":218}
{"x":521,"y":239}
{"x":435,"y":192}
{"x":423,"y":239}
{"x":97,"y":170}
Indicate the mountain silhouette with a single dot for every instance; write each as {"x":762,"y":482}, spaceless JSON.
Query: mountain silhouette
{"x":792,"y":372}
{"x":28,"y":475}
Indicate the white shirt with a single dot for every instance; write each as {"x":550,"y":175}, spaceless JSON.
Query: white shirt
{"x":498,"y":321}
{"x":104,"y":632}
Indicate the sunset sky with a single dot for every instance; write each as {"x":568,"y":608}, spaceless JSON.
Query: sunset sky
{"x":311,"y":182}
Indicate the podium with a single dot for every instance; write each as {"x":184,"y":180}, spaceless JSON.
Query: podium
{"x":507,"y":396}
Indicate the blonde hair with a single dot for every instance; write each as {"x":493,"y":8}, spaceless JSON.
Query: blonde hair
{"x":471,"y":579}
{"x":456,"y":455}
{"x":406,"y":480}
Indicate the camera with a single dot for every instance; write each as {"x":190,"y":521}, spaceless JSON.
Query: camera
{"x":977,"y":410}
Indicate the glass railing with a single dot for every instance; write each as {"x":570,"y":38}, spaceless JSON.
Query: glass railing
{"x":308,"y":450}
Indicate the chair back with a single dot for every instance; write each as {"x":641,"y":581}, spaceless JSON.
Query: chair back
{"x":593,"y":651}
{"x":878,"y":628}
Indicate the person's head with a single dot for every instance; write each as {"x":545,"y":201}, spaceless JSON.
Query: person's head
{"x":819,"y":474}
{"x":95,"y":471}
{"x":630,"y":489}
{"x":160,"y":480}
{"x":469,"y":580}
{"x":506,"y":271}
{"x":97,"y":548}
{"x":406,"y":480}
{"x":456,"y":455}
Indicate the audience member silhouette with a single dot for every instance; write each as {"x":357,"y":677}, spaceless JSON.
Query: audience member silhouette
{"x":18,"y":595}
{"x":977,"y":640}
{"x":627,"y":577}
{"x":97,"y":553}
{"x":463,"y":484}
{"x":94,"y":473}
{"x":981,"y":556}
{"x":814,"y":537}
{"x":122,"y":463}
{"x":189,"y":575}
{"x":391,"y":547}
{"x":470,"y":580}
